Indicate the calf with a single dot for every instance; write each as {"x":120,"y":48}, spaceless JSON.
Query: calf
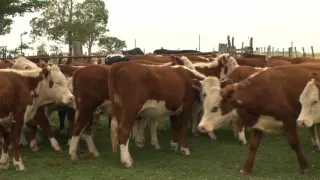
{"x":147,"y":98}
{"x":90,"y":88}
{"x":276,"y":108}
{"x":23,"y":92}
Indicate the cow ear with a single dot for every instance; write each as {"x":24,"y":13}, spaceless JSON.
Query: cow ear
{"x":227,"y":92}
{"x":196,"y":84}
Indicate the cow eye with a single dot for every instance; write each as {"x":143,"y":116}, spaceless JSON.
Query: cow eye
{"x":204,"y":95}
{"x":314,"y":102}
{"x":214,"y":109}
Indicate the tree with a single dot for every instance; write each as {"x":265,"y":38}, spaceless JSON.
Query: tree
{"x":55,"y":50}
{"x":9,"y":9}
{"x":41,"y":49}
{"x":67,"y":21}
{"x":91,"y":22}
{"x":55,"y":22}
{"x":111,"y":44}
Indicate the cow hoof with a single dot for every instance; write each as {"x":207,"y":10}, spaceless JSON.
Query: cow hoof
{"x":95,"y":154}
{"x":35,"y":148}
{"x":174,"y":145}
{"x":139,"y":144}
{"x":185,"y":151}
{"x":155,"y":144}
{"x":19,"y":166}
{"x":127,"y":163}
{"x":305,"y":171}
{"x":243,"y":142}
{"x":4,"y":165}
{"x":73,"y":156}
{"x":244,"y":172}
{"x":212,"y":136}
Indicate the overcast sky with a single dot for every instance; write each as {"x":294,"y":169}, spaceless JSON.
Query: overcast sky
{"x":174,"y":24}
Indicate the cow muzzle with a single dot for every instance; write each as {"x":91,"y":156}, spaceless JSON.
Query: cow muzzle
{"x":304,"y":123}
{"x":68,"y":99}
{"x":205,"y":129}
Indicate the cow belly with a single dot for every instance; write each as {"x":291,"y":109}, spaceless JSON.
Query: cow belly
{"x":154,"y":108}
{"x":268,"y":124}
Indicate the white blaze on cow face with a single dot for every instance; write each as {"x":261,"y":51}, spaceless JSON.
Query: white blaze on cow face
{"x":309,"y":99}
{"x":211,"y":97}
{"x":59,"y":92}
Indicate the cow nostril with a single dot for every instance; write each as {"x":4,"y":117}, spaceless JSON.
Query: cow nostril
{"x":71,"y":98}
{"x":201,"y":128}
{"x":301,"y":123}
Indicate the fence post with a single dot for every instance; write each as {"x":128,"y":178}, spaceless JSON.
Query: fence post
{"x":290,"y":52}
{"x":295,"y":50}
{"x":304,"y":52}
{"x":312,"y":51}
{"x":282,"y":51}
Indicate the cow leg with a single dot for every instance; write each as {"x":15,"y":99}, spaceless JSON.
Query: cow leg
{"x":314,"y":137}
{"x":23,"y":139}
{"x":15,"y":138}
{"x":32,"y":133}
{"x":44,"y":124}
{"x":294,"y":142}
{"x":88,"y":137}
{"x":109,"y":119}
{"x":70,"y":117}
{"x":185,"y":114}
{"x":153,"y":124}
{"x":195,"y":121}
{"x":174,"y":121}
{"x":241,"y":131}
{"x":79,"y":126}
{"x":212,"y":135}
{"x":123,"y":134}
{"x":140,"y":126}
{"x":234,"y":126}
{"x":4,"y":159}
{"x":62,"y":116}
{"x":254,"y":145}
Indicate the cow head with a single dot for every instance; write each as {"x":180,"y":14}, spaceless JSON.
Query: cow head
{"x":310,"y":101}
{"x":22,"y":63}
{"x":211,"y":99}
{"x":54,"y":86}
{"x":216,"y":102}
{"x":228,"y":63}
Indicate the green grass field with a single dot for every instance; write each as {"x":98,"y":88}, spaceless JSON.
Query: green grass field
{"x":219,"y":159}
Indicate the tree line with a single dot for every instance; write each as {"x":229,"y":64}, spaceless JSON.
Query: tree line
{"x":64,"y":22}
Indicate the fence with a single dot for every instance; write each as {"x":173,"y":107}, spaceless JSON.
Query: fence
{"x":270,"y":51}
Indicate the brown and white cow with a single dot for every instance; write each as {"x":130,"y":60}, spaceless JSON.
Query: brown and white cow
{"x":23,"y":92}
{"x":147,"y":98}
{"x":90,"y":88}
{"x":43,"y":112}
{"x":267,"y":102}
{"x":309,"y":99}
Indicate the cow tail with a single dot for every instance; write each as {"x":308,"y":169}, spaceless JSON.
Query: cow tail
{"x":113,"y":96}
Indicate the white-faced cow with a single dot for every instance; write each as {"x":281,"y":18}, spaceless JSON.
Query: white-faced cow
{"x":267,"y":101}
{"x":22,"y":93}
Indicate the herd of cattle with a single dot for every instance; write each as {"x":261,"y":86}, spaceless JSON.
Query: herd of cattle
{"x":253,"y":92}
